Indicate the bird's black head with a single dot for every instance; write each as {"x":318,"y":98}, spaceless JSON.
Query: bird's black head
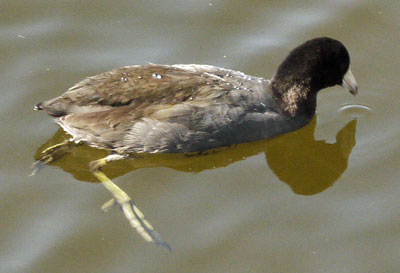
{"x":310,"y":67}
{"x":316,"y":64}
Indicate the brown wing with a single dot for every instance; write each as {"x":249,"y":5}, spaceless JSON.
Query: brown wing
{"x":138,"y":87}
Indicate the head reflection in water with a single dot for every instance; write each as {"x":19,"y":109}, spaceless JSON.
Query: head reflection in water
{"x":307,"y":165}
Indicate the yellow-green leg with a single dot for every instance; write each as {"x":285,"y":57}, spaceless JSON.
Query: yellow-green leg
{"x":132,"y":213}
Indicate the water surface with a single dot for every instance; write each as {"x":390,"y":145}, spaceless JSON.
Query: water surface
{"x":321,"y":199}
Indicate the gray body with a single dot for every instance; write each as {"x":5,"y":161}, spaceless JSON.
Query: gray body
{"x":203,"y":107}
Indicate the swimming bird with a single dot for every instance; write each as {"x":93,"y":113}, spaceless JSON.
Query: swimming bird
{"x":186,"y":108}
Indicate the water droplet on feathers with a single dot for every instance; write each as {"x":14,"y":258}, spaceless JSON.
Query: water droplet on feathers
{"x":157,"y":76}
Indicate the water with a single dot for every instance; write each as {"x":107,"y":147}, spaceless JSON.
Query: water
{"x":321,"y":199}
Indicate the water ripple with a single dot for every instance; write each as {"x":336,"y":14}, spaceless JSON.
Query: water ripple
{"x":356,"y":110}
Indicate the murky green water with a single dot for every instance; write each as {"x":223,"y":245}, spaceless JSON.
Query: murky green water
{"x":322,"y":199}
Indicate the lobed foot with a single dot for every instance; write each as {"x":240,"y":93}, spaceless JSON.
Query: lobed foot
{"x":135,"y":217}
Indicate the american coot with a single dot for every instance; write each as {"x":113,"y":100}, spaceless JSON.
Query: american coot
{"x":191,"y":108}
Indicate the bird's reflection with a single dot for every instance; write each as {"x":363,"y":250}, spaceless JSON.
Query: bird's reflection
{"x":307,"y":165}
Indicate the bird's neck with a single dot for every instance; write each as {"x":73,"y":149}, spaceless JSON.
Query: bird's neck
{"x":295,"y":99}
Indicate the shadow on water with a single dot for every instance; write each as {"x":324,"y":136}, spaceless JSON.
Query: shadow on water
{"x":307,"y":165}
